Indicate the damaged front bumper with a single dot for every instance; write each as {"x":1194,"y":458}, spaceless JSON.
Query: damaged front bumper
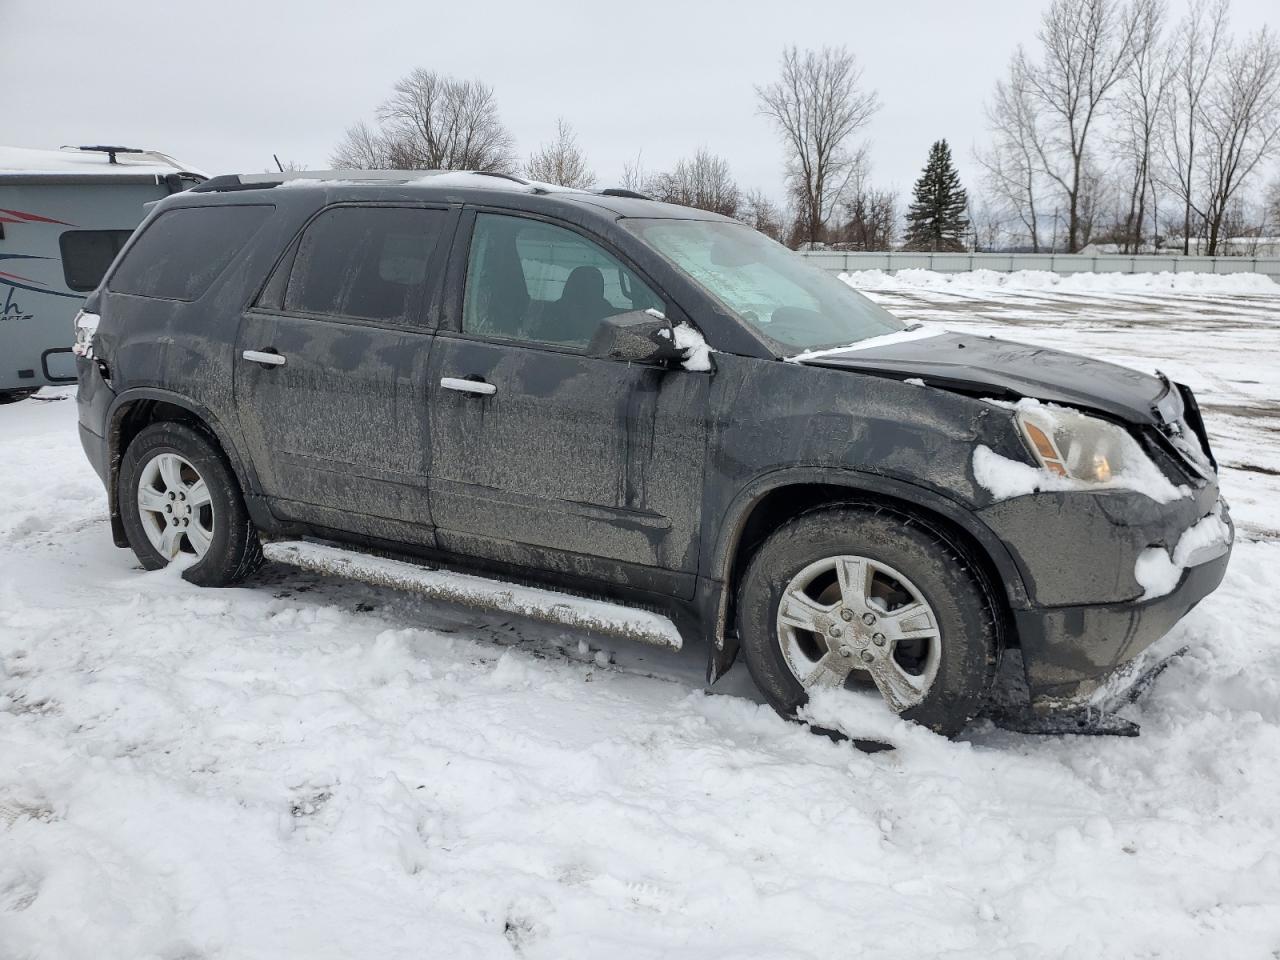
{"x":1079,"y":554}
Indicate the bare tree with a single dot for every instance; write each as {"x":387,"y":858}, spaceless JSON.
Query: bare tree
{"x":432,"y":122}
{"x":986,"y":223}
{"x":362,"y":148}
{"x":870,"y":218}
{"x":633,"y":175}
{"x":703,"y":182}
{"x":818,"y":104}
{"x":1141,"y":112}
{"x":1240,"y":116}
{"x":760,"y":213}
{"x":1011,"y":165}
{"x":561,"y":161}
{"x":1194,"y":54}
{"x":1272,"y":208}
{"x":1088,"y":45}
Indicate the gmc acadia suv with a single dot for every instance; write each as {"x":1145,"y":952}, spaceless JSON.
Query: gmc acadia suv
{"x":645,"y":403}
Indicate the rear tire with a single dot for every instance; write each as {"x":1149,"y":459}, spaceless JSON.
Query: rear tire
{"x":13,"y":396}
{"x":937,"y":662}
{"x":179,"y":498}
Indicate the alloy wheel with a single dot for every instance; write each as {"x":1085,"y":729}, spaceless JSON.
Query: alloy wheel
{"x":175,"y":507}
{"x":849,"y":621}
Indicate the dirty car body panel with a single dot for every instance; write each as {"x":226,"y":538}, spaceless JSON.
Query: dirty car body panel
{"x":646,"y":483}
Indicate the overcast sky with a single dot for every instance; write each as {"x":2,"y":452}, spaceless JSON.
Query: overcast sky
{"x":225,"y":89}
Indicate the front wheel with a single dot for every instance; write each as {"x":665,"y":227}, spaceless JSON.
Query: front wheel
{"x":180,"y":501}
{"x":868,"y":600}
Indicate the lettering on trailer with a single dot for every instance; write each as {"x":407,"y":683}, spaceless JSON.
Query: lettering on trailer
{"x":12,"y":311}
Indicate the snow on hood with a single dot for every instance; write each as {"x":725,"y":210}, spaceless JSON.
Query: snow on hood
{"x":917,"y":331}
{"x":989,"y":366}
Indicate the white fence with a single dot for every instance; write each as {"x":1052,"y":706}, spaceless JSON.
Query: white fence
{"x":1063,"y":263}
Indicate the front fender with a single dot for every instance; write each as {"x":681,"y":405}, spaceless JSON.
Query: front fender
{"x":719,"y":563}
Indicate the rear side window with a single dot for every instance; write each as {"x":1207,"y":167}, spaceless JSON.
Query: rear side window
{"x":369,"y":263}
{"x":182,"y":252}
{"x":86,"y":254}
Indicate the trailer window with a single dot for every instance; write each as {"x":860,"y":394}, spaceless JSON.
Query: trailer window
{"x":86,"y":254}
{"x":181,"y":252}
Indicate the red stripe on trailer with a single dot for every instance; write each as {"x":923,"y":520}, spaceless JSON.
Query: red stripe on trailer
{"x":14,"y":276}
{"x":31,"y":218}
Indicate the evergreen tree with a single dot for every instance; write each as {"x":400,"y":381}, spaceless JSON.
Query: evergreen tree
{"x":936,"y":220}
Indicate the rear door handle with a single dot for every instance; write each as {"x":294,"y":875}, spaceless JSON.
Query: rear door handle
{"x":261,"y":356}
{"x":468,"y":386}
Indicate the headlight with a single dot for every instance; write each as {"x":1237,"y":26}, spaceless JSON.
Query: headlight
{"x":1081,"y":447}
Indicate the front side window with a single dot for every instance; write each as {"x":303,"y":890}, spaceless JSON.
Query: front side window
{"x":86,"y":255}
{"x":367,"y":263}
{"x":181,"y":252}
{"x":794,"y":304}
{"x":529,"y":280}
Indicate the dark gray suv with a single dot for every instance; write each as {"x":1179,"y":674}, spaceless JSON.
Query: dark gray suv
{"x":647,"y":404}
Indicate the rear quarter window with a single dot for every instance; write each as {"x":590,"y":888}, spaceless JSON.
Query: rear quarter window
{"x":182,"y":252}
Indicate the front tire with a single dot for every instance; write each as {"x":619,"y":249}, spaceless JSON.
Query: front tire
{"x":179,"y":500}
{"x":861,"y":597}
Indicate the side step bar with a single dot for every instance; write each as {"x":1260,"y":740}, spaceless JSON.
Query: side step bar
{"x":547,"y":606}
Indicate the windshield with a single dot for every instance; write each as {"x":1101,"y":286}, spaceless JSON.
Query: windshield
{"x":794,"y":304}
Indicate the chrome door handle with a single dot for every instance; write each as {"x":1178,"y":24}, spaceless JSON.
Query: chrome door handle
{"x":260,"y":356}
{"x":468,"y":386}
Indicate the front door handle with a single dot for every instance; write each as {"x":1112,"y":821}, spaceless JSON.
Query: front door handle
{"x":468,"y":386}
{"x":261,"y":356}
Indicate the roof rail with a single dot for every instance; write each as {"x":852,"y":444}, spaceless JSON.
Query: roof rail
{"x":254,"y":181}
{"x":623,"y":192}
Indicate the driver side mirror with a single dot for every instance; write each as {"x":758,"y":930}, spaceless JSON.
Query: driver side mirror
{"x":639,"y":336}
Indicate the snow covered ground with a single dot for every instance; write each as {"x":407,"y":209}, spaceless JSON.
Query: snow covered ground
{"x":306,"y":768}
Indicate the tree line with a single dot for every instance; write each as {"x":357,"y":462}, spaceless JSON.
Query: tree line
{"x":1120,"y":125}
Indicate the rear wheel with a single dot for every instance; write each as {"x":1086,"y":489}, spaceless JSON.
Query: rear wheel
{"x":870,"y":601}
{"x":180,"y":501}
{"x":13,"y":396}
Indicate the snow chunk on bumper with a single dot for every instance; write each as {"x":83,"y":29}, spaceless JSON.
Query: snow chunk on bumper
{"x":1158,"y":572}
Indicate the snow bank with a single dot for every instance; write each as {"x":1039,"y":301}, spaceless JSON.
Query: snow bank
{"x":985,"y":280}
{"x":1158,"y":572}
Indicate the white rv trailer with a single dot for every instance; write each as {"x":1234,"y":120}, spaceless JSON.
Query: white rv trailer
{"x":64,"y":215}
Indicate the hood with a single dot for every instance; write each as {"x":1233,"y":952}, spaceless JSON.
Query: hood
{"x":1006,"y":370}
